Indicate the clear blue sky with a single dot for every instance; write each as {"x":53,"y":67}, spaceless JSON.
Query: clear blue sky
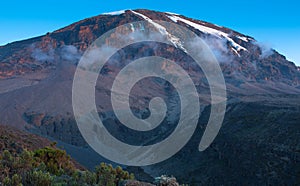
{"x":276,"y":23}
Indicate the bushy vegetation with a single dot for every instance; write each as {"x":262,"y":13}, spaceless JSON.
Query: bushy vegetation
{"x":52,"y":166}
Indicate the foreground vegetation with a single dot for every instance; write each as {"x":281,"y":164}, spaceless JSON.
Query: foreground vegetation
{"x":28,"y":159}
{"x":52,"y":166}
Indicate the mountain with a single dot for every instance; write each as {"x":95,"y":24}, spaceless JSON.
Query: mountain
{"x":259,"y":139}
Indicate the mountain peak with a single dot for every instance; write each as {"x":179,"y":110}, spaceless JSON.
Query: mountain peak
{"x":237,"y":53}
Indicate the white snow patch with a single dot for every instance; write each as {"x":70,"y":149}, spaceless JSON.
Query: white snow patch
{"x":115,"y":13}
{"x":171,"y":13}
{"x":174,"y":40}
{"x":236,"y":52}
{"x":243,"y":38}
{"x":132,"y":27}
{"x":173,"y":18}
{"x":211,"y":31}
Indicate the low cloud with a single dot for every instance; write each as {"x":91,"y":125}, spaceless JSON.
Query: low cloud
{"x":95,"y":55}
{"x":266,"y":50}
{"x":218,"y":47}
{"x":104,"y":52}
{"x":70,"y":53}
{"x":40,"y":55}
{"x":67,"y":53}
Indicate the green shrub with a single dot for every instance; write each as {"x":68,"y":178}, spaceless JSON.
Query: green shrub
{"x":37,"y":178}
{"x":16,"y":180}
{"x":107,"y":175}
{"x":89,"y":178}
{"x":51,"y":166}
{"x":57,"y":161}
{"x":6,"y":181}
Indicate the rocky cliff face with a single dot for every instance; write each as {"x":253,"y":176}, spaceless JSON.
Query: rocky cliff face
{"x":257,"y":143}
